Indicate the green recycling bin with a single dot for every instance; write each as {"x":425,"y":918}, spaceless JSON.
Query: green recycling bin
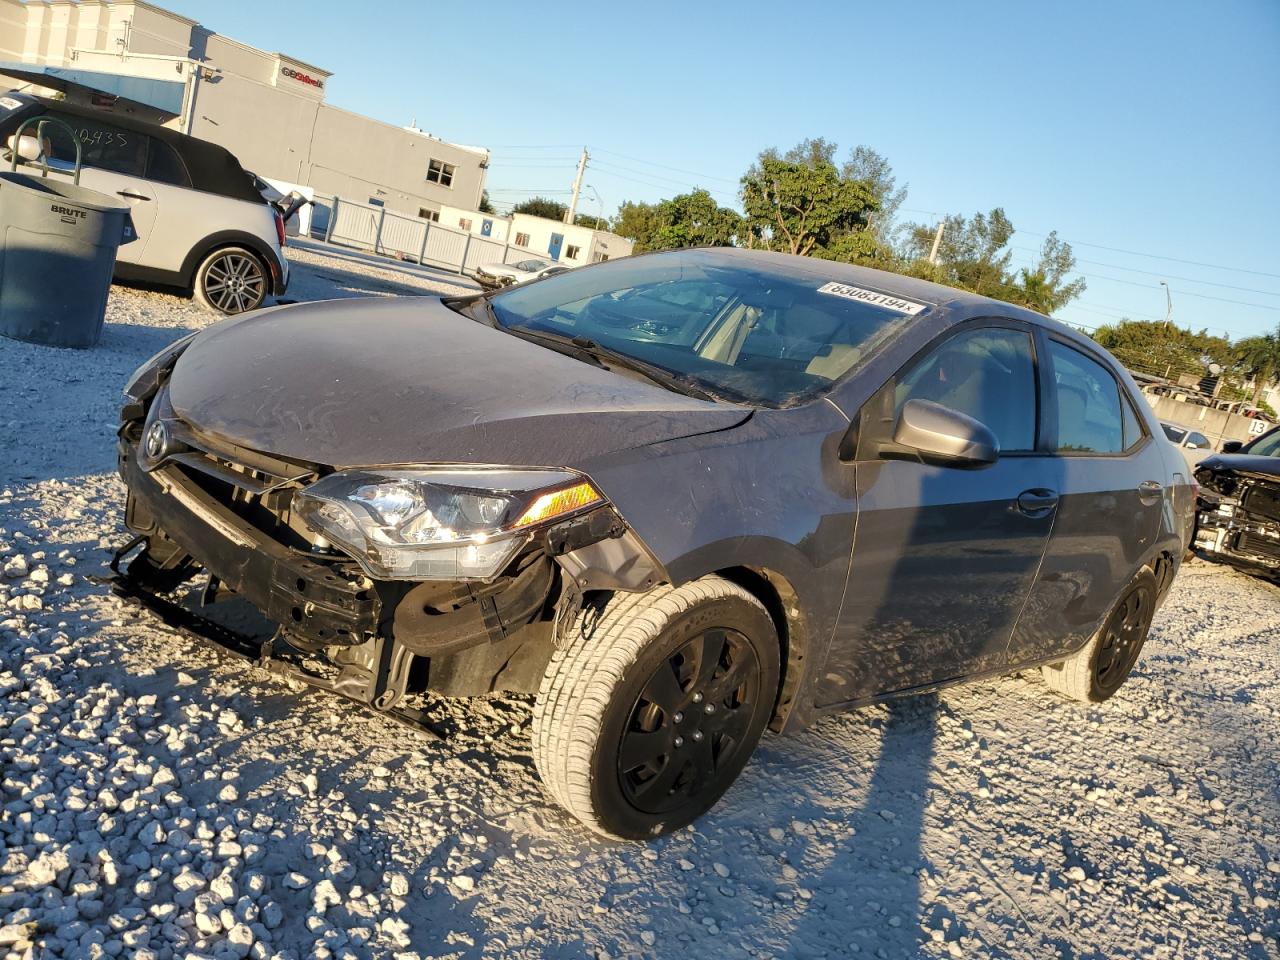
{"x":58,"y":244}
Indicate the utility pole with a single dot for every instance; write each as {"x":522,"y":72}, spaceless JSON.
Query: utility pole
{"x":937,"y":242}
{"x":1168,"y":300}
{"x":577,"y":187}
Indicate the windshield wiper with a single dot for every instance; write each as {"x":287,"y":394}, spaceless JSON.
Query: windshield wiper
{"x":588,"y":351}
{"x":659,"y":375}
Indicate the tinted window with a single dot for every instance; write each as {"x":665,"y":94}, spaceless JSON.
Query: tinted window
{"x":102,"y":145}
{"x":1132,"y":423}
{"x":989,"y":375}
{"x":759,"y":331}
{"x":1199,"y":441}
{"x":1089,"y":417}
{"x":1173,"y":433}
{"x":165,"y":166}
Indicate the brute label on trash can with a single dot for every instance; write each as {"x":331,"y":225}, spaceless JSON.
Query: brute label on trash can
{"x":58,"y":247}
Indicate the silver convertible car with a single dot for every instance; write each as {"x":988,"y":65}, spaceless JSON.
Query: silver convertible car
{"x":681,"y":498}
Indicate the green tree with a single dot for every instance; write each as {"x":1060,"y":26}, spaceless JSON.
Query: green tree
{"x":688,"y":220}
{"x":974,"y":255}
{"x":589,"y":220}
{"x":542,"y":207}
{"x":486,"y":205}
{"x":1258,"y":358}
{"x":874,"y":170}
{"x":1164,"y":350}
{"x":800,"y":202}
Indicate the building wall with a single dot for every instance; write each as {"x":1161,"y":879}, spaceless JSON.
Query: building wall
{"x":266,"y":108}
{"x":453,"y":217}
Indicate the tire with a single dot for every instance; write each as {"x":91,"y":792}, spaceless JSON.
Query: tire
{"x":631,"y":734}
{"x":1096,"y":671}
{"x":232,"y":280}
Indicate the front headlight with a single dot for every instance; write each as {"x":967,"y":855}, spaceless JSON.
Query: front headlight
{"x":447,"y":523}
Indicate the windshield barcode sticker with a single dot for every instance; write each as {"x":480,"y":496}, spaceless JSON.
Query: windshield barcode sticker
{"x":8,"y":103}
{"x":896,"y":304}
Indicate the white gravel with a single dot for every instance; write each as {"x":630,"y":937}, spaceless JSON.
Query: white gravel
{"x":161,"y":801}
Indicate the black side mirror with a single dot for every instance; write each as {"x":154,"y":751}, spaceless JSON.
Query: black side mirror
{"x":1232,"y":446}
{"x":940,"y":433}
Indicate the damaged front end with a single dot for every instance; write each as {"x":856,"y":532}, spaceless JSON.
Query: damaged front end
{"x":1238,"y":520}
{"x":376,"y":582}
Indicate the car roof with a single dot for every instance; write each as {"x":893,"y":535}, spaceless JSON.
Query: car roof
{"x":213,"y":169}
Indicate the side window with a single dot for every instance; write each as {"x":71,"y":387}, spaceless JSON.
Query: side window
{"x":988,"y":374}
{"x":1198,"y":441}
{"x":165,"y":166}
{"x":1132,"y":423}
{"x":1089,"y":414}
{"x":102,"y":145}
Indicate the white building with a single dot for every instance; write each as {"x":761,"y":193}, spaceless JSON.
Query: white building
{"x":567,"y":242}
{"x":550,"y":239}
{"x":129,"y":56}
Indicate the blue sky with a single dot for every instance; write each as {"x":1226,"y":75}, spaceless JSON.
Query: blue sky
{"x":1144,"y":127}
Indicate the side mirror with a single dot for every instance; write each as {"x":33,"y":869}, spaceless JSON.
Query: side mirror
{"x":1232,"y":446}
{"x":940,"y":433}
{"x":28,"y":147}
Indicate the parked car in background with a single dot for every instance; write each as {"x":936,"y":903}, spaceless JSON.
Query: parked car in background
{"x":679,"y":498}
{"x":494,"y":276}
{"x":201,"y":223}
{"x":1193,"y":446}
{"x":1239,"y":505}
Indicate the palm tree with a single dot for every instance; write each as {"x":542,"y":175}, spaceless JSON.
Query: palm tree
{"x":1259,"y":358}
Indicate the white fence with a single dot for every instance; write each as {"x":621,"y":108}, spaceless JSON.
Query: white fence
{"x":368,"y":227}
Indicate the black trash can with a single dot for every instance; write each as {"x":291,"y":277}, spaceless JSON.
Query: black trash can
{"x":58,"y":244}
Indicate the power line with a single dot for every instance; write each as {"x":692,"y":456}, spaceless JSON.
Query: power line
{"x":1163,"y":276}
{"x":1154,"y":256}
{"x":663,"y":166}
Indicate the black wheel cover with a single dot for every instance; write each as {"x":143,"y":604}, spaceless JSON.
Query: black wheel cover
{"x":688,"y":727}
{"x":1123,"y":637}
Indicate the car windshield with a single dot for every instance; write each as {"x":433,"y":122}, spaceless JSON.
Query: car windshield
{"x":748,"y":330}
{"x":1266,"y":446}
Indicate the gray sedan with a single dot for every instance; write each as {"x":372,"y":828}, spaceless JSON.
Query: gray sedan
{"x":680,"y":498}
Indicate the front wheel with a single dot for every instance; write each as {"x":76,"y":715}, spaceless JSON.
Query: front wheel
{"x":231,"y":280}
{"x":651,"y":706}
{"x":1095,"y":672}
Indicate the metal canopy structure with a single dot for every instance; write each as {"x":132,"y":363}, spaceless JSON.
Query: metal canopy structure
{"x":164,"y":95}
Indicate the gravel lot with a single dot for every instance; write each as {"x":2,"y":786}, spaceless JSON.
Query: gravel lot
{"x":159,"y":800}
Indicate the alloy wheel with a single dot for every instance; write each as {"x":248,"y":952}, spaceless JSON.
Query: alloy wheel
{"x":690,"y":722}
{"x":235,"y":282}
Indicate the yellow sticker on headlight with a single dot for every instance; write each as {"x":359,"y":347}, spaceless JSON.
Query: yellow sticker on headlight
{"x":559,"y":502}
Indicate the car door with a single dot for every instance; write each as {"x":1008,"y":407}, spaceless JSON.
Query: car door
{"x":114,"y":162}
{"x":944,"y":556}
{"x":1113,"y":485}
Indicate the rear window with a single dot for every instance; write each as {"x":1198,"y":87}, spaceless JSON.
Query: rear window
{"x":1173,"y":433}
{"x":165,"y":166}
{"x":749,"y":330}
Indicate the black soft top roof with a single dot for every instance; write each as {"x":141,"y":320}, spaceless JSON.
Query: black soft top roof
{"x":213,"y":169}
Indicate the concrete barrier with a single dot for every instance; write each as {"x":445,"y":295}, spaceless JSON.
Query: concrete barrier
{"x":1217,"y":425}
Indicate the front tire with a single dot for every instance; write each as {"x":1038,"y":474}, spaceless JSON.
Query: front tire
{"x":232,"y":280}
{"x":1095,"y":672}
{"x":651,"y":706}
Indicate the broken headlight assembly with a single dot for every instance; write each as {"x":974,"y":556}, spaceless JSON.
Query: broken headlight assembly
{"x":447,"y":523}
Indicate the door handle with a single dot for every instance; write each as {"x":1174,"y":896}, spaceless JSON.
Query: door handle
{"x":131,"y":195}
{"x":1149,"y":490}
{"x":1037,"y":501}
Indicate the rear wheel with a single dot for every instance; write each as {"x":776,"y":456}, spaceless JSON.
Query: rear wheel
{"x":231,"y":280}
{"x":1095,"y":673}
{"x":651,"y":706}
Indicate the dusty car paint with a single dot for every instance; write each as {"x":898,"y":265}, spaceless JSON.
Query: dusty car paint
{"x":885,"y":575}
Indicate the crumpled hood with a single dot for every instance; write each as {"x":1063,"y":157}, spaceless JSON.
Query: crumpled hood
{"x":408,"y":380}
{"x":1265,"y":467}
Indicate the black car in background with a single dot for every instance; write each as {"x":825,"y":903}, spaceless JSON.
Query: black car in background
{"x":679,"y":497}
{"x":1238,"y":519}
